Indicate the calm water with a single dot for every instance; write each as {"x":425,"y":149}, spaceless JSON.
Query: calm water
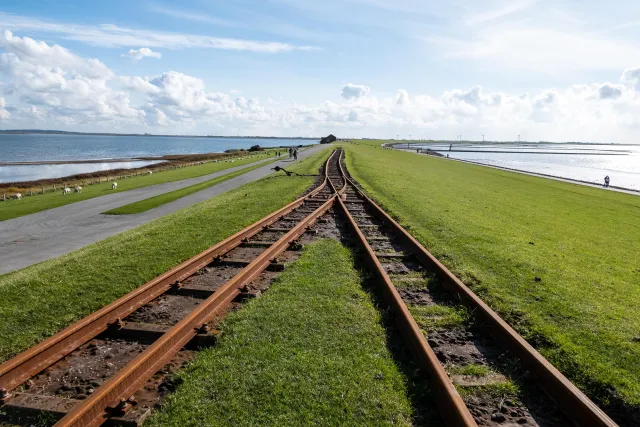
{"x":575,"y":161}
{"x":35,"y":147}
{"x":34,"y":173}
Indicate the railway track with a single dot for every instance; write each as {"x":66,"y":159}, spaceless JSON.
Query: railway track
{"x":484,"y":345}
{"x":114,"y":365}
{"x":111,"y":365}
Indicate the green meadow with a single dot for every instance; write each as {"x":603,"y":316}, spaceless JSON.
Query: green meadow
{"x":39,"y":300}
{"x":40,"y":202}
{"x":559,"y":261}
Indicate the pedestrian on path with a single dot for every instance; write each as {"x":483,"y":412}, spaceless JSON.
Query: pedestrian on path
{"x":295,"y":154}
{"x":606,"y":181}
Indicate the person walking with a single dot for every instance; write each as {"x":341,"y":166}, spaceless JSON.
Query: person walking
{"x":606,"y":181}
{"x":295,"y":154}
{"x":290,"y":152}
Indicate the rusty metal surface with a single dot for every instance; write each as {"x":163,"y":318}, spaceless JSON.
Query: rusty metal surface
{"x":575,"y":404}
{"x":32,"y":361}
{"x":95,"y":409}
{"x":452,"y":407}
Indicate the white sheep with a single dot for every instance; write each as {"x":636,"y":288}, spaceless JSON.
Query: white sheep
{"x":18,"y":196}
{"x":66,"y":190}
{"x":77,"y":189}
{"x":149,"y":173}
{"x":114,"y":185}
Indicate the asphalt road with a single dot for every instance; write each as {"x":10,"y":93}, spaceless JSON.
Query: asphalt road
{"x":48,"y":234}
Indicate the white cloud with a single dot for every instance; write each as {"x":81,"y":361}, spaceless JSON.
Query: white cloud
{"x":609,"y":91}
{"x":351,"y":91}
{"x":26,"y":55}
{"x":192,"y":16}
{"x":108,"y":35}
{"x":58,"y":84}
{"x":402,"y":97}
{"x":504,"y":10}
{"x":54,"y":87}
{"x":631,"y":76}
{"x":4,"y":114}
{"x":538,"y":49}
{"x":138,"y":54}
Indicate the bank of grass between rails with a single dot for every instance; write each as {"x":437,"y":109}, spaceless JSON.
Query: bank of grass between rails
{"x":39,"y":300}
{"x":40,"y":202}
{"x":162,"y":199}
{"x":312,"y":350}
{"x":559,"y":261}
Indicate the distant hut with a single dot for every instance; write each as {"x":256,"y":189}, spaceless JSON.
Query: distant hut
{"x":328,"y":139}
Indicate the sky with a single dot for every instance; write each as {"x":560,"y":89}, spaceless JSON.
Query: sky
{"x":553,"y":70}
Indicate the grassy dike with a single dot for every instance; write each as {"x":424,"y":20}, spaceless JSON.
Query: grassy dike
{"x":40,"y":202}
{"x":39,"y":300}
{"x":559,"y":261}
{"x":163,"y":199}
{"x":312,"y":350}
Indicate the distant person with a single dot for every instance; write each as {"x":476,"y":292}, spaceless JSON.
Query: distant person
{"x":450,"y":145}
{"x":290,"y":152}
{"x":295,"y":154}
{"x":606,"y":181}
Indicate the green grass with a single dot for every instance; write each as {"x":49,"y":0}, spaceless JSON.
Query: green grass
{"x":474,"y":370}
{"x":37,"y":301}
{"x":500,"y":390}
{"x":161,"y":199}
{"x":312,"y":351}
{"x":40,"y":202}
{"x":434,"y":317}
{"x":499,"y":231}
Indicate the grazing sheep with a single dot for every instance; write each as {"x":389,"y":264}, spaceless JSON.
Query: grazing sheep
{"x":18,"y":196}
{"x":66,"y":190}
{"x":149,"y":173}
{"x":114,"y":185}
{"x":77,"y":189}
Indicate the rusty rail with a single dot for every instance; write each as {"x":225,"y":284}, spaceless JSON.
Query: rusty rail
{"x":453,"y":409}
{"x":95,"y":410}
{"x":575,"y":404}
{"x":32,"y":361}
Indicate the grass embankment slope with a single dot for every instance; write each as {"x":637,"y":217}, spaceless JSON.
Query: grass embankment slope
{"x":40,"y":202}
{"x":499,"y":231}
{"x":37,"y":301}
{"x":312,"y":350}
{"x":162,"y":199}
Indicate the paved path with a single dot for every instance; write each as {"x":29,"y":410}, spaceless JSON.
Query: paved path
{"x":48,"y":234}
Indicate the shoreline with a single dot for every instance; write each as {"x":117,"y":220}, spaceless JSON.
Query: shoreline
{"x":71,"y":133}
{"x":82,"y":161}
{"x":615,"y":188}
{"x":618,"y":153}
{"x":163,"y":158}
{"x":164,"y":162}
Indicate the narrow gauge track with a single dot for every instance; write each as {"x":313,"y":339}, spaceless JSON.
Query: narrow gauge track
{"x":403,"y":268}
{"x":145,"y":334}
{"x":111,"y":365}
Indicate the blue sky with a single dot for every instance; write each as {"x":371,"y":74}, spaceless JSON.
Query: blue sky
{"x":552,"y":70}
